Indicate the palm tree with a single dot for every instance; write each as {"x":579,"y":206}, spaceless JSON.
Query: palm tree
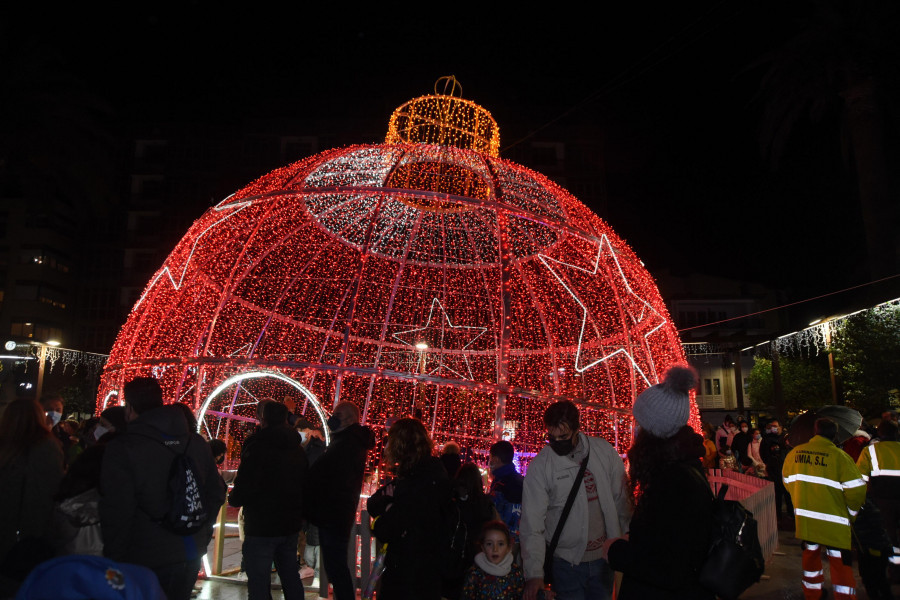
{"x":844,"y":62}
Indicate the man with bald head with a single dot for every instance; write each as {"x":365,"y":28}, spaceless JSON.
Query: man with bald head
{"x":335,"y":481}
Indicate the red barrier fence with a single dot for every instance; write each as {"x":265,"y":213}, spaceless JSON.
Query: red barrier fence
{"x":756,"y":495}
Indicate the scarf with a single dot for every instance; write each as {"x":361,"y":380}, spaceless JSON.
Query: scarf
{"x":498,"y":570}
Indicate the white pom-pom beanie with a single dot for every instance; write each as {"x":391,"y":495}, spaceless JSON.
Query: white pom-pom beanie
{"x":664,"y":408}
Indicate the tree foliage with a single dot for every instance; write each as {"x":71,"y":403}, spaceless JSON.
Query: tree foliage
{"x":867,"y":350}
{"x":805,"y":383}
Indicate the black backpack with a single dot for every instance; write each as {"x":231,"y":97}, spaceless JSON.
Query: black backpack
{"x":735,"y":559}
{"x":186,"y":512}
{"x":868,"y":530}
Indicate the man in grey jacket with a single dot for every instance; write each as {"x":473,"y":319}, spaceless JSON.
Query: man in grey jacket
{"x":134,"y":486}
{"x":601,"y":510}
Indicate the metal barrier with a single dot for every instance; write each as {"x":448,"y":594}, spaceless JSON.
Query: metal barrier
{"x":756,"y":495}
{"x":220,"y":534}
{"x":360,"y":553}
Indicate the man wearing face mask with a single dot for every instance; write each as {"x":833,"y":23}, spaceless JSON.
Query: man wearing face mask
{"x":601,"y":509}
{"x":311,"y":439}
{"x":773,"y":448}
{"x":335,"y":481}
{"x":112,"y":421}
{"x":53,"y":408}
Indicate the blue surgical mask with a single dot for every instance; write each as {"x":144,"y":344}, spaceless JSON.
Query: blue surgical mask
{"x":54,"y":416}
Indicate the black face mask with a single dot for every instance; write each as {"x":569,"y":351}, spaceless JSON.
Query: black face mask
{"x":562,"y":447}
{"x":333,"y":422}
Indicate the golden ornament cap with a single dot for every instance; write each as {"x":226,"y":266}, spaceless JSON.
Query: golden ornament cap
{"x":445,"y":119}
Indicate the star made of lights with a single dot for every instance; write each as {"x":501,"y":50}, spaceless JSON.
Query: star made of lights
{"x":236,"y":207}
{"x":440,"y":345}
{"x":241,"y":351}
{"x":644,"y":310}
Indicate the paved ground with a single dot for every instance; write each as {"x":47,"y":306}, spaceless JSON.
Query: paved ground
{"x":781,"y":581}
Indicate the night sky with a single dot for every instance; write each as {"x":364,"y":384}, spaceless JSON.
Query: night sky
{"x":672,"y":88}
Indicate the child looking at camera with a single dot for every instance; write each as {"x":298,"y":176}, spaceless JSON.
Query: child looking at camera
{"x":495,"y":575}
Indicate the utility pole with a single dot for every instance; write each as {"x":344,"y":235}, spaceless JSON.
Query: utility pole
{"x":777,"y":390}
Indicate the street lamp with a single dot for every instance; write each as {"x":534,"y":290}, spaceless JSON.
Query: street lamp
{"x":421,"y":346}
{"x":42,"y":359}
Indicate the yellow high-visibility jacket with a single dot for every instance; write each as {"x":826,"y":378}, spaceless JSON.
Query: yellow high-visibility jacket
{"x":827,"y":490}
{"x":880,"y":465}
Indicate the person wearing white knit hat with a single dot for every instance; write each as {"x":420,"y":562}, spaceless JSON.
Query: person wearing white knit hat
{"x":668,"y":536}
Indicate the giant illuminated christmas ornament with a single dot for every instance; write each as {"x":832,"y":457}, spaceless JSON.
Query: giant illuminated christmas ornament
{"x":424,"y":276}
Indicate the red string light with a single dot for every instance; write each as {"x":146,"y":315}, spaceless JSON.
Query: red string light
{"x":409,"y":278}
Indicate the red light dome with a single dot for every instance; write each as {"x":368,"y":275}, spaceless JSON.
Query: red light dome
{"x":409,"y":278}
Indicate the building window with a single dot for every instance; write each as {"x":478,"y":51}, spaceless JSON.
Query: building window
{"x":43,"y":257}
{"x":26,"y":291}
{"x":45,"y":333}
{"x":712,"y":387}
{"x":25,"y":330}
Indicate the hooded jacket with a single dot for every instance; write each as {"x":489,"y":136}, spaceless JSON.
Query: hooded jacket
{"x":506,"y":492}
{"x":827,"y":490}
{"x":335,"y":480}
{"x":134,"y":490}
{"x":270,"y":482}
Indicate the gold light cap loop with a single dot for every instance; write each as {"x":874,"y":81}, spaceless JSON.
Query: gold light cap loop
{"x":445,"y":120}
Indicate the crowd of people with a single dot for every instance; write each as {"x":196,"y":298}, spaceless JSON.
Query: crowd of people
{"x":101,"y":490}
{"x":756,"y":451}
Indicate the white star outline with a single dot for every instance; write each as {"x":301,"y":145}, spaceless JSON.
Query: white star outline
{"x":243,"y":349}
{"x":646,"y":306}
{"x":441,"y":364}
{"x":168,"y":272}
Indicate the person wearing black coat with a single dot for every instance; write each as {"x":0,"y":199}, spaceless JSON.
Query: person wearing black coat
{"x":408,"y":511}
{"x":475,"y":509}
{"x":773,"y":449}
{"x":335,"y":481}
{"x":740,"y":442}
{"x":270,"y":486}
{"x":134,"y":486}
{"x":670,"y":530}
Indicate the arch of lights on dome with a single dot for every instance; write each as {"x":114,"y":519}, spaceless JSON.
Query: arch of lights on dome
{"x":425,"y":276}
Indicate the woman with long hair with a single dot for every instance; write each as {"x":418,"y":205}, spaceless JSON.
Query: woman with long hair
{"x":408,"y":511}
{"x":31,"y":467}
{"x":670,"y":531}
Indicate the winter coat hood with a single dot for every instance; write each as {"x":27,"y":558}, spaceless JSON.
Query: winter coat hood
{"x":165,"y":422}
{"x":359,"y":433}
{"x":281,"y":438}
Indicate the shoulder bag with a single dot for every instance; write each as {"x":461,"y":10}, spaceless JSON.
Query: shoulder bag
{"x":554,"y":541}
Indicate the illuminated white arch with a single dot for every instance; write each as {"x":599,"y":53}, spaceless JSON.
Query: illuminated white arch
{"x":259,"y":374}
{"x":106,"y":399}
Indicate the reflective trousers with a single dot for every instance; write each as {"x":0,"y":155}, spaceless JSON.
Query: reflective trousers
{"x":841,"y":564}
